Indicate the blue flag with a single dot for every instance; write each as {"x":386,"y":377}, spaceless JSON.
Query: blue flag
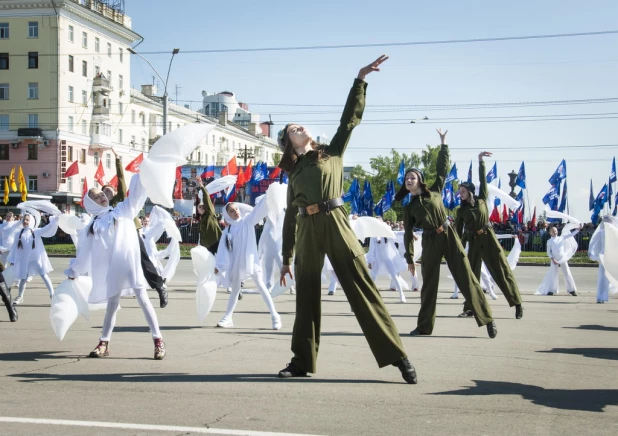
{"x":470,"y":173}
{"x":520,"y":196}
{"x":387,"y":200}
{"x":601,"y":197}
{"x":264,"y":169}
{"x":552,"y":197}
{"x":610,"y":193}
{"x":367,"y":199}
{"x":493,"y":173}
{"x":521,"y":177}
{"x":612,"y":175}
{"x":452,"y":175}
{"x":407,"y":199}
{"x":591,"y":198}
{"x":378,"y":210}
{"x":447,"y":195}
{"x":285,"y":178}
{"x":353,"y":197}
{"x":497,"y":199}
{"x":563,"y":202}
{"x":401,"y":174}
{"x":559,"y":175}
{"x":257,"y":173}
{"x":456,"y":200}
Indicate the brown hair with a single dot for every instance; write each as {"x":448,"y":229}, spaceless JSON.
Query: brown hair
{"x":289,"y":157}
{"x":403,"y":191}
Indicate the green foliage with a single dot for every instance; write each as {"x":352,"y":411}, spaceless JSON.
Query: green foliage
{"x":276,"y":159}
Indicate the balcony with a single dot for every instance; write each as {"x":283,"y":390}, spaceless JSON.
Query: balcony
{"x":102,"y":85}
{"x":30,"y":132}
{"x":100,"y":113}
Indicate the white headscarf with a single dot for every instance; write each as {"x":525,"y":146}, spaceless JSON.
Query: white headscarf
{"x":243,"y":209}
{"x":103,"y":220}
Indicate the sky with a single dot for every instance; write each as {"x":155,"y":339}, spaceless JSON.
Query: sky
{"x":310,"y":86}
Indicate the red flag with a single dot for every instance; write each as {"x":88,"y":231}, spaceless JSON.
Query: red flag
{"x":231,"y":168}
{"x":114,"y":182}
{"x":100,"y":174}
{"x":495,"y":216}
{"x":178,"y":186}
{"x":505,"y":214}
{"x":241,"y":178}
{"x":72,"y":170}
{"x":84,"y":192}
{"x":248,"y":172}
{"x":533,"y":220}
{"x":275,"y":173}
{"x":135,"y":163}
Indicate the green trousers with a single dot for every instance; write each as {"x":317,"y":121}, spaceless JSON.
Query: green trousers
{"x":447,"y":244}
{"x":318,"y":235}
{"x":486,"y":248}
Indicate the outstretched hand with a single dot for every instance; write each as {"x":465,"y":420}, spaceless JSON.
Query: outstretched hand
{"x":442,"y":135}
{"x":374,"y":66}
{"x":483,"y":154}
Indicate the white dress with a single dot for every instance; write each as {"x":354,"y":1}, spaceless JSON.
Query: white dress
{"x":418,"y":251}
{"x":559,"y":249}
{"x":30,"y":261}
{"x":8,"y":230}
{"x":385,"y":259}
{"x":596,"y":252}
{"x":112,"y":255}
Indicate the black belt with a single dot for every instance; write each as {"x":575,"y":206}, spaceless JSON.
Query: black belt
{"x":325,"y":207}
{"x":482,"y":231}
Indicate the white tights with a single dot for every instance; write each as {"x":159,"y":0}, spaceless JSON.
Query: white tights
{"x":261,"y":287}
{"x":46,"y":280}
{"x":113,"y":304}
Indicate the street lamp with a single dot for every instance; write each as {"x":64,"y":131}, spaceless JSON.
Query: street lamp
{"x":174,"y":53}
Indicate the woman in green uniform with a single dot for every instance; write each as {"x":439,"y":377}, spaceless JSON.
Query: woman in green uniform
{"x":316,"y":224}
{"x":473,"y":215}
{"x":210,"y":231}
{"x":426,"y":211}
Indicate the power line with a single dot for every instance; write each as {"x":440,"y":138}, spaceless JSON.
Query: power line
{"x":511,"y":148}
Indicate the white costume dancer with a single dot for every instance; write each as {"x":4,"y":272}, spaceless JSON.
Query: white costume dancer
{"x":328,"y":273}
{"x":269,"y":249}
{"x":418,"y":250}
{"x":383,"y":258}
{"x":8,"y":229}
{"x":108,"y":250}
{"x":559,"y":250}
{"x":28,"y":254}
{"x":159,"y":221}
{"x":596,"y":251}
{"x":237,"y":257}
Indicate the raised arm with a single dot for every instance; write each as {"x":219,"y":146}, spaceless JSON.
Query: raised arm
{"x":442,"y":165}
{"x":130,"y":207}
{"x":289,"y":228}
{"x":353,"y":110}
{"x":49,"y":230}
{"x":121,"y":192}
{"x":483,"y":175}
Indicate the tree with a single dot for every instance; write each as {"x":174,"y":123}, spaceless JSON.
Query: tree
{"x":276,"y":159}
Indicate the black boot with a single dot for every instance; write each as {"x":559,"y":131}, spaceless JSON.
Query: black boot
{"x":162,"y":297}
{"x":5,"y":293}
{"x":407,"y":371}
{"x":519,"y":311}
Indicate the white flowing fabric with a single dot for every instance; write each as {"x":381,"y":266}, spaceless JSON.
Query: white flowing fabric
{"x":171,"y":150}
{"x":220,"y":184}
{"x":111,"y":256}
{"x":561,"y":249}
{"x":386,"y":260}
{"x":510,"y":202}
{"x":40,"y":205}
{"x":8,"y":231}
{"x":64,"y":308}
{"x":160,"y":221}
{"x":206,"y":292}
{"x":609,"y":258}
{"x":9,"y":275}
{"x":70,"y":224}
{"x":418,"y":251}
{"x":32,"y":261}
{"x":368,"y":227}
{"x":603,"y":249}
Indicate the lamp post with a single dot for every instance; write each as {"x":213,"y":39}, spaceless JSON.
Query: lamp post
{"x":174,"y":53}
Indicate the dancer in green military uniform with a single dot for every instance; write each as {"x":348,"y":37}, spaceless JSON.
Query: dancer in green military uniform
{"x":210,"y":231}
{"x":483,"y":245}
{"x":316,"y":224}
{"x":426,"y":211}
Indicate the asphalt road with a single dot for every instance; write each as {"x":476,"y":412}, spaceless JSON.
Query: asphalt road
{"x":553,"y":373}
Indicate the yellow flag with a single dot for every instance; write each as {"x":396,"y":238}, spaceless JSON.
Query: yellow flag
{"x":6,"y":190}
{"x":23,"y":188}
{"x":12,"y":180}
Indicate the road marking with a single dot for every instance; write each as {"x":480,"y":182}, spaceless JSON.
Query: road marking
{"x":128,"y":426}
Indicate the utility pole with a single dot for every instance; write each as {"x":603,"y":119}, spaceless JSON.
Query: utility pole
{"x":177,"y":92}
{"x":247,"y":155}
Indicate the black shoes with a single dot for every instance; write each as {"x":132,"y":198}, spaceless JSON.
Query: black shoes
{"x":162,"y":297}
{"x":492,"y":330}
{"x":574,"y":294}
{"x":519,"y":311}
{"x":465,"y":314}
{"x":550,"y":293}
{"x":407,"y":371}
{"x":292,"y":371}
{"x":5,"y":294}
{"x":417,"y":332}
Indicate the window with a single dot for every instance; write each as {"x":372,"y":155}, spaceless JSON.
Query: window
{"x":71,"y":33}
{"x":84,"y":68}
{"x":97,"y":45}
{"x":132,"y":141}
{"x":71,"y":63}
{"x":132,"y":117}
{"x":141,"y":115}
{"x":4,"y":123}
{"x":33,"y":152}
{"x":33,"y":29}
{"x":71,"y":94}
{"x":4,"y":61}
{"x":70,"y":153}
{"x":84,"y":128}
{"x":4,"y":152}
{"x":96,"y":158}
{"x":169,"y":128}
{"x":33,"y":183}
{"x":109,"y":49}
{"x":82,"y":156}
{"x":70,"y":184}
{"x":108,"y":160}
{"x":33,"y":59}
{"x":70,"y":123}
{"x":120,"y":108}
{"x":121,"y":55}
{"x":109,"y":75}
{"x":143,"y":144}
{"x":33,"y":91}
{"x":120,"y":136}
{"x":97,"y":70}
{"x":33,"y":121}
{"x":120,"y":81}
{"x":84,"y":40}
{"x":85,"y":98}
{"x":4,"y":30}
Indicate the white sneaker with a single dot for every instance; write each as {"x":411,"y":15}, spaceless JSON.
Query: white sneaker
{"x":276,"y":322}
{"x":18,"y":300}
{"x":225,"y":323}
{"x":229,"y":290}
{"x":292,"y":291}
{"x":402,"y":299}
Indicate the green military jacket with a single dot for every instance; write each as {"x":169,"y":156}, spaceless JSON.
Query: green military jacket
{"x":426,"y":212}
{"x":474,"y":217}
{"x":311,"y":181}
{"x":210,"y":232}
